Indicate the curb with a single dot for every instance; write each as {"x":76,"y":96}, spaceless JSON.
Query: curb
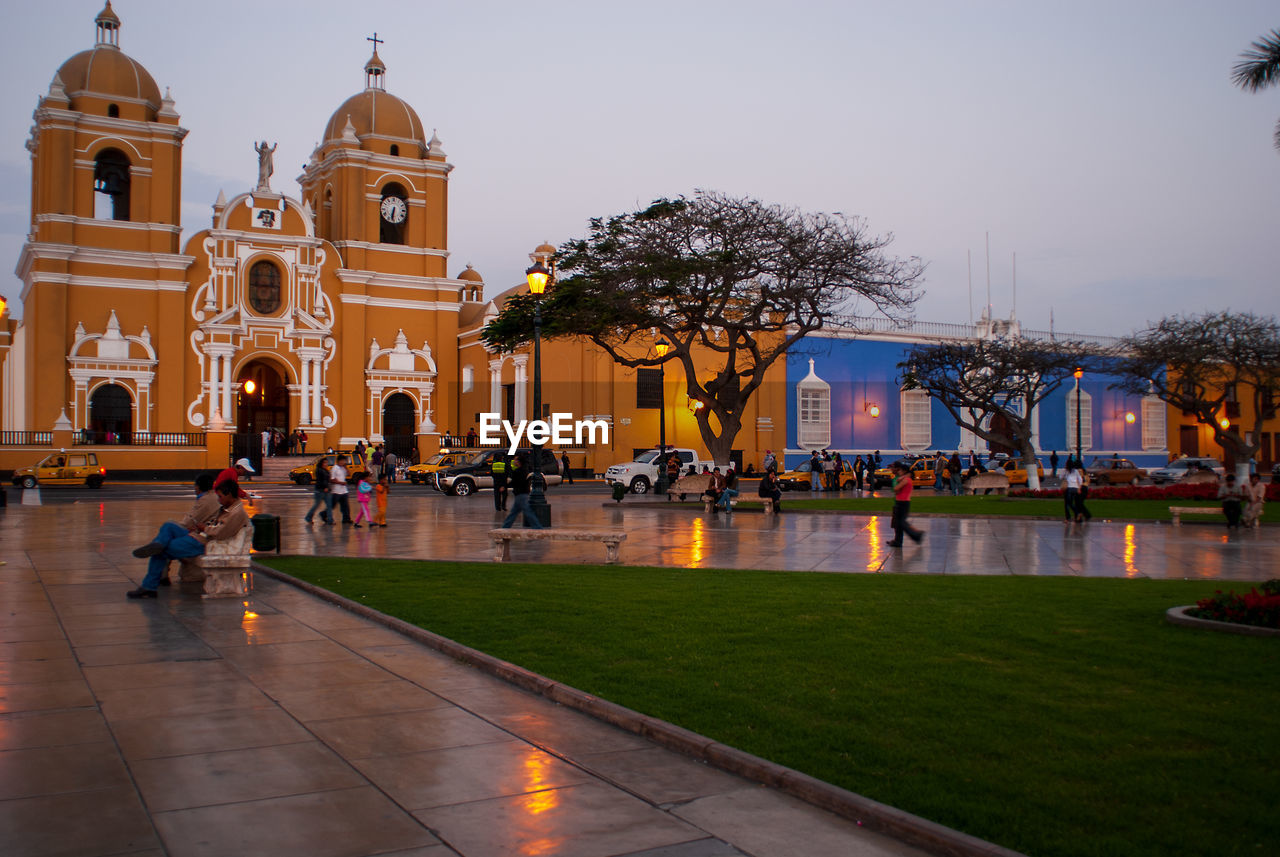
{"x":1178,"y":616}
{"x":873,"y":815}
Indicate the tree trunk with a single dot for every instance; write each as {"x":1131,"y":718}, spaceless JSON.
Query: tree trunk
{"x":1032,"y":465}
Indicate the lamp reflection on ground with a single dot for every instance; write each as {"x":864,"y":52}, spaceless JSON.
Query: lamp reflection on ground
{"x":1130,"y":551}
{"x":875,"y":544}
{"x":542,"y":797}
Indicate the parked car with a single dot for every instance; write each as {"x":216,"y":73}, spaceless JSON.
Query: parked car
{"x":476,"y":472}
{"x":921,"y":470}
{"x":63,"y":468}
{"x":305,"y":474}
{"x":1017,"y":473}
{"x":641,"y":473}
{"x":422,"y":472}
{"x":1179,"y":469}
{"x":1115,"y":471}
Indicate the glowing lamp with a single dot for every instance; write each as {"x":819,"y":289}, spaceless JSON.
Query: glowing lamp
{"x":4,"y":302}
{"x":662,"y":347}
{"x":1130,"y":418}
{"x":1079,"y":373}
{"x":1225,"y":423}
{"x":249,"y":386}
{"x":874,"y":410}
{"x":537,"y":277}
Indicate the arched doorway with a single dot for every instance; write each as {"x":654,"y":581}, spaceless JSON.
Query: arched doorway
{"x":397,"y":425}
{"x":111,"y":414}
{"x":263,"y":401}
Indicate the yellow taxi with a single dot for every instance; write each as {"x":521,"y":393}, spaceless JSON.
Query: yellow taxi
{"x":305,"y":474}
{"x":63,"y":468}
{"x":422,"y":472}
{"x":921,"y":470}
{"x":1017,"y":473}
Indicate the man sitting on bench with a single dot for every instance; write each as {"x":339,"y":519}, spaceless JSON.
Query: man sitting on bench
{"x":175,"y":542}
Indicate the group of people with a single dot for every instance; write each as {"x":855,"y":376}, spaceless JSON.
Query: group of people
{"x":276,"y":442}
{"x":1242,"y":503}
{"x":217,"y":514}
{"x":331,"y":489}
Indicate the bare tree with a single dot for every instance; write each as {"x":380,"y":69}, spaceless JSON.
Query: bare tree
{"x":1007,"y":378}
{"x":1200,"y":363}
{"x":731,"y":283}
{"x":1259,"y":68}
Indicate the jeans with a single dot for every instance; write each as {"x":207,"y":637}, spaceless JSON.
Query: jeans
{"x":814,"y":483}
{"x":341,"y":502}
{"x":901,"y":509}
{"x":726,"y":496}
{"x":178,"y":544}
{"x":520,"y":506}
{"x":955,"y":483}
{"x":324,"y":502}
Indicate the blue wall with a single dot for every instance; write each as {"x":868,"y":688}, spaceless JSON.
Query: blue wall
{"x":860,"y":371}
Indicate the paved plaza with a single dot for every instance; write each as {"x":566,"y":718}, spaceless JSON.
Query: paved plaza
{"x":283,"y":725}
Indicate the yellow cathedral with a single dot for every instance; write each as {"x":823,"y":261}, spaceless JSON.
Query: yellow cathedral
{"x":332,"y":312}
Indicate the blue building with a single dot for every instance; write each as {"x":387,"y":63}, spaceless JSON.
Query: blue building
{"x":844,"y":394}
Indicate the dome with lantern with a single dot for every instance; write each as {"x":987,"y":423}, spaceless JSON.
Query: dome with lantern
{"x":378,"y":119}
{"x":107,"y":75}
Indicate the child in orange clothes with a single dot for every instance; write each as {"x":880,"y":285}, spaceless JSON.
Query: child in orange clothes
{"x":380,"y":492}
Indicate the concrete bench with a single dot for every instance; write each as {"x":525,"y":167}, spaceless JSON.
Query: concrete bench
{"x":694,"y":484}
{"x":770,"y":505}
{"x":987,"y":483}
{"x":222,"y":568}
{"x":502,"y":539}
{"x":1178,"y":511}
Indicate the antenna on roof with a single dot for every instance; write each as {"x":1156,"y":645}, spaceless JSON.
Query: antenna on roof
{"x":968,"y":255}
{"x":989,"y":274}
{"x":1015,"y":285}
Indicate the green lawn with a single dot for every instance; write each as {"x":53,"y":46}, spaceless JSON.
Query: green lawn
{"x":969,"y":506}
{"x":1054,"y":716}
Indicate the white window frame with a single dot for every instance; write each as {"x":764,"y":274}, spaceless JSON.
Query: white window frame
{"x":1086,"y":421}
{"x":468,"y":379}
{"x":1155,"y":432}
{"x":916,"y":407}
{"x":813,"y":417}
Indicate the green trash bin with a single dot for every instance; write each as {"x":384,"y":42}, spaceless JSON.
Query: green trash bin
{"x":266,"y":532}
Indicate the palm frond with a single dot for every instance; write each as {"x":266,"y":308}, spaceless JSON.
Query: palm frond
{"x":1260,"y":67}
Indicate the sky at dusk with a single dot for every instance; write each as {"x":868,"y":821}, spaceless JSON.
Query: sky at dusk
{"x":1102,"y":142}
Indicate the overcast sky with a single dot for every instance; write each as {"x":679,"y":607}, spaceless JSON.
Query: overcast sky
{"x":1102,"y":142}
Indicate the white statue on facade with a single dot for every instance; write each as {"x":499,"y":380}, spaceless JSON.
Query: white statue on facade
{"x":266,"y":164}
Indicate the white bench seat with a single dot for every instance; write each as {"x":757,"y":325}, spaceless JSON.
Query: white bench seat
{"x":1178,"y":511}
{"x":502,"y":539}
{"x":222,"y":568}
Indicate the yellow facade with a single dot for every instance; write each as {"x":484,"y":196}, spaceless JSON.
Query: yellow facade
{"x":331,"y":311}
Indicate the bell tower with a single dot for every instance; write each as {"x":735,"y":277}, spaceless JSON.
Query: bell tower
{"x":378,"y":187}
{"x":106,"y":160}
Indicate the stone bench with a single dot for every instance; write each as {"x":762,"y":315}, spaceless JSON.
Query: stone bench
{"x":770,"y":505}
{"x":222,"y":568}
{"x":502,"y":539}
{"x":987,"y":483}
{"x":695,"y":484}
{"x":1178,"y":511}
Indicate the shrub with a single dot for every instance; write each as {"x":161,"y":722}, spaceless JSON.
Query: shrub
{"x":1132,"y":492}
{"x":1252,"y":608}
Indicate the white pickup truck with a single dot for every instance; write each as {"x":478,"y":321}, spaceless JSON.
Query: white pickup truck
{"x":642,"y":474}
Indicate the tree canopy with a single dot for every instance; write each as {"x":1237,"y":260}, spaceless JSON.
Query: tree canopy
{"x":731,"y":283}
{"x":992,"y":386}
{"x":1199,"y":364}
{"x":1259,"y":68}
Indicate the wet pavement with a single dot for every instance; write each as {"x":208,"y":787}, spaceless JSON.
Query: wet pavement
{"x":281,"y":724}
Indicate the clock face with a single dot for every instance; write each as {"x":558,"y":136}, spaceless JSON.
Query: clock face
{"x":394,"y":209}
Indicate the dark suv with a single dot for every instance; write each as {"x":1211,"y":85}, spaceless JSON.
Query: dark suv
{"x":476,"y":472}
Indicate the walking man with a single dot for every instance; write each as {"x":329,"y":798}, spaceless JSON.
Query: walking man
{"x":902,"y":506}
{"x":520,"y":492}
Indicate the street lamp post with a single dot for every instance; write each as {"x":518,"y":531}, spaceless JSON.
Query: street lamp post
{"x":538,"y":276}
{"x":661,"y":347}
{"x":1079,"y":373}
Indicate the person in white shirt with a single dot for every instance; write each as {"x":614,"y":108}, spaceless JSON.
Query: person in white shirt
{"x":338,"y":488}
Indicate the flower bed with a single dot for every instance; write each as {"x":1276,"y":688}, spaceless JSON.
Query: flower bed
{"x":1252,"y":608}
{"x":1130,"y":492}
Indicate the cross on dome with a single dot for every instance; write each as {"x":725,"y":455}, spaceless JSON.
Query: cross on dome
{"x":374,"y":68}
